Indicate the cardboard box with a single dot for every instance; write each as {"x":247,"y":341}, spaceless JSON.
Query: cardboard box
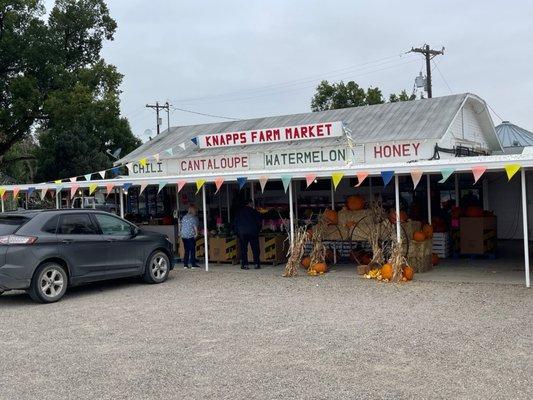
{"x":478,"y":235}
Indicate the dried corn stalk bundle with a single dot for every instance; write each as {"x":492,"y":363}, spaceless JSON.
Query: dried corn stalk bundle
{"x":397,"y":260}
{"x":377,"y":233}
{"x":296,"y":252}
{"x":318,"y":252}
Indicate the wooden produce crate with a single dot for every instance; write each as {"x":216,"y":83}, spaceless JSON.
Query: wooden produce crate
{"x":223,"y":249}
{"x":478,"y":235}
{"x":442,"y":244}
{"x":273,"y":248}
{"x":419,"y":257}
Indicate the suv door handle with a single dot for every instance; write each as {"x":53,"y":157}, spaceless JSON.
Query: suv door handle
{"x":67,"y":241}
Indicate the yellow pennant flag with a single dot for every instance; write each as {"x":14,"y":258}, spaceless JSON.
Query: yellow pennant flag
{"x":199,"y":184}
{"x":2,"y":192}
{"x":92,"y":188}
{"x":336,"y":176}
{"x":511,"y":169}
{"x":143,"y":162}
{"x":58,"y":182}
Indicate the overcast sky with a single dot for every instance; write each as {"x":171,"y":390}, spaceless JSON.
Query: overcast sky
{"x":247,"y":59}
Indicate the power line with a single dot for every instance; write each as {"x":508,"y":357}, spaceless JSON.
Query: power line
{"x":495,"y":113}
{"x":429,"y":54}
{"x":204,"y":114}
{"x":442,"y":76}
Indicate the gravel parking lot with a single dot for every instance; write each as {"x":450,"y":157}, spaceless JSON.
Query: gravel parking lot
{"x":232,"y":334}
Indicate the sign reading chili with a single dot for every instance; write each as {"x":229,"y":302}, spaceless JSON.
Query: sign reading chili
{"x":271,"y":135}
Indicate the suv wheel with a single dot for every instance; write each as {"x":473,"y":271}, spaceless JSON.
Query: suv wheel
{"x":49,"y":283}
{"x":157,"y":268}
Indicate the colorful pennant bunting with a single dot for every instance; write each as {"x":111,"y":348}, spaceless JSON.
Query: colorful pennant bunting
{"x":31,"y":189}
{"x":156,"y":156}
{"x":16,"y":191}
{"x":263,"y":181}
{"x":43,"y":192}
{"x":144,"y":185}
{"x":115,"y":170}
{"x":143,"y":162}
{"x":182,"y":145}
{"x":446,"y":173}
{"x":336,"y":178}
{"x":511,"y":170}
{"x":416,"y":175}
{"x":126,"y":186}
{"x":73,"y":179}
{"x":169,"y":151}
{"x":181,"y":184}
{"x":88,"y":177}
{"x":92,"y":188}
{"x":57,"y":182}
{"x":241,"y":181}
{"x":199,"y":184}
{"x":161,"y":184}
{"x":73,"y":189}
{"x":309,"y":179}
{"x":386,"y":176}
{"x":109,"y":188}
{"x":478,"y":172}
{"x":218,"y":184}
{"x":361,"y":176}
{"x":2,"y":192}
{"x":102,"y":174}
{"x":195,"y":140}
{"x":286,"y":179}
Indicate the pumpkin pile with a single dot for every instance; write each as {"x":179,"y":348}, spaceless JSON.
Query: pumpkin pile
{"x":354,"y":203}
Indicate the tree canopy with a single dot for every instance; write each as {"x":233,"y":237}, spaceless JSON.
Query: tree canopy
{"x":332,"y":96}
{"x":53,"y":82}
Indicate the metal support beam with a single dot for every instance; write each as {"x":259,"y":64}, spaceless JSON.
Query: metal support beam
{"x":206,"y":231}
{"x":121,"y":203}
{"x":3,"y":209}
{"x":227,"y":202}
{"x":58,"y":198}
{"x":397,"y":204}
{"x":525,"y":226}
{"x":332,"y":195}
{"x":178,"y":211}
{"x":457,"y":195}
{"x":291,"y":215}
{"x":428,"y":179}
{"x":252,"y":192}
{"x":485,"y":188}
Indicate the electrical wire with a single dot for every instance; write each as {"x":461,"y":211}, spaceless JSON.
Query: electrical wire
{"x":204,"y":114}
{"x":442,"y":76}
{"x":495,"y":113}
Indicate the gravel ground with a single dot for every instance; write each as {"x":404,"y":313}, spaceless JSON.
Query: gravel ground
{"x":232,"y":334}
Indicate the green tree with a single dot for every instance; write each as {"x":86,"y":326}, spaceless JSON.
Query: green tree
{"x":402,"y":96}
{"x":332,"y":96}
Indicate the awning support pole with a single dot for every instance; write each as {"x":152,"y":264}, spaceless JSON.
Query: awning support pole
{"x":370,"y":193}
{"x":291,"y":215}
{"x":121,"y":203}
{"x":206,"y":231}
{"x":456,"y":176}
{"x":178,"y":210}
{"x":3,"y":209}
{"x":332,"y":195}
{"x":525,"y":226}
{"x":486,"y":194}
{"x":252,"y":194}
{"x":227,"y":202}
{"x":428,"y":178}
{"x":397,"y":203}
{"x":58,"y":193}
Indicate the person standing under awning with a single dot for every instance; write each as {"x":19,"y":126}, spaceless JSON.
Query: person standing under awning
{"x":248,"y":223}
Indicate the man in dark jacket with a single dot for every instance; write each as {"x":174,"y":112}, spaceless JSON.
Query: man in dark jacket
{"x":248,"y":224}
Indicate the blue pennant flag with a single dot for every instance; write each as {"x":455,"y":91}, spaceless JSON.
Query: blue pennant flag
{"x":241,"y":181}
{"x":195,"y":140}
{"x":387,"y":176}
{"x":115,"y":170}
{"x":31,"y":190}
{"x":126,"y":185}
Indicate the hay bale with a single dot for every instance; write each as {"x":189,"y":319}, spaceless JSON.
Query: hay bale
{"x":419,"y":257}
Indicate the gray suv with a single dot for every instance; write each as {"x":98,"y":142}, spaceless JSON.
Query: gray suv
{"x":44,"y":252}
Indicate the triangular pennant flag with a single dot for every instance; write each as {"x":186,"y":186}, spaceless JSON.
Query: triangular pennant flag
{"x":416,"y":175}
{"x":31,"y":189}
{"x":156,"y":156}
{"x":446,"y":173}
{"x":109,"y":188}
{"x":88,"y":177}
{"x":336,"y":178}
{"x":478,"y":172}
{"x":195,"y":141}
{"x":126,"y":186}
{"x":169,"y":151}
{"x":218,"y":184}
{"x":16,"y":191}
{"x":57,"y":182}
{"x":143,"y":162}
{"x":263,"y":181}
{"x":92,"y":188}
{"x":59,"y":188}
{"x":102,"y":174}
{"x":181,"y":184}
{"x":182,"y":145}
{"x":286,"y":179}
{"x":241,"y":181}
{"x":361,"y":176}
{"x":511,"y":170}
{"x":2,"y":192}
{"x":309,"y":179}
{"x":115,"y":170}
{"x":386,"y":176}
{"x":73,"y":179}
{"x":43,"y":192}
{"x":162,"y":184}
{"x":144,"y":185}
{"x":73,"y":189}
{"x":199,"y":184}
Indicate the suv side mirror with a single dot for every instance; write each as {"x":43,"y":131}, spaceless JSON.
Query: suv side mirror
{"x":134,"y":231}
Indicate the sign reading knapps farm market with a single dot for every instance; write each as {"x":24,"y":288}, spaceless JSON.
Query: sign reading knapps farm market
{"x":271,"y":135}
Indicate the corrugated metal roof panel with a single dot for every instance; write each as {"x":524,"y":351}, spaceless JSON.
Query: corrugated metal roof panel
{"x":418,"y":119}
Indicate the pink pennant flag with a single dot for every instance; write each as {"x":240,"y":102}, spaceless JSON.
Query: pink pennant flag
{"x":361,"y":176}
{"x":181,"y":184}
{"x":218,"y":184}
{"x":478,"y":172}
{"x":109,"y":188}
{"x":73,"y":189}
{"x":262,"y":182}
{"x":416,"y":175}
{"x":16,"y":191}
{"x":74,"y":179}
{"x":309,"y":179}
{"x":43,"y":192}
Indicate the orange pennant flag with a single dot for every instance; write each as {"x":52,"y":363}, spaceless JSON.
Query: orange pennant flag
{"x":478,"y":172}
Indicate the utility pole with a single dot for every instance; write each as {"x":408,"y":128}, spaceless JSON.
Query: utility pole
{"x":157,"y":107}
{"x":429,"y":54}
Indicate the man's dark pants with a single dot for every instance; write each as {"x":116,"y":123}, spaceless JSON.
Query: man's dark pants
{"x":253,"y":240}
{"x":189,"y":247}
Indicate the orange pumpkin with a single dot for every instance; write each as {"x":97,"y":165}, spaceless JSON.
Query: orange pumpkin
{"x":408,"y":272}
{"x":355,"y":203}
{"x":428,"y":230}
{"x":320,"y":267}
{"x":474,"y":211}
{"x":306,"y":262}
{"x":350,"y":224}
{"x":435,"y":259}
{"x":331,"y":216}
{"x":386,"y":271}
{"x":392,"y":216}
{"x":419,"y":236}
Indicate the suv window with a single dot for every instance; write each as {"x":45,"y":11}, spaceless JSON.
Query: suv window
{"x":76,"y":224}
{"x":112,"y":225}
{"x":9,"y":224}
{"x":51,"y":225}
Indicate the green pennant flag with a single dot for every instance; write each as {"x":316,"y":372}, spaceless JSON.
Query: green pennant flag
{"x":286,"y":179}
{"x":446,"y":173}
